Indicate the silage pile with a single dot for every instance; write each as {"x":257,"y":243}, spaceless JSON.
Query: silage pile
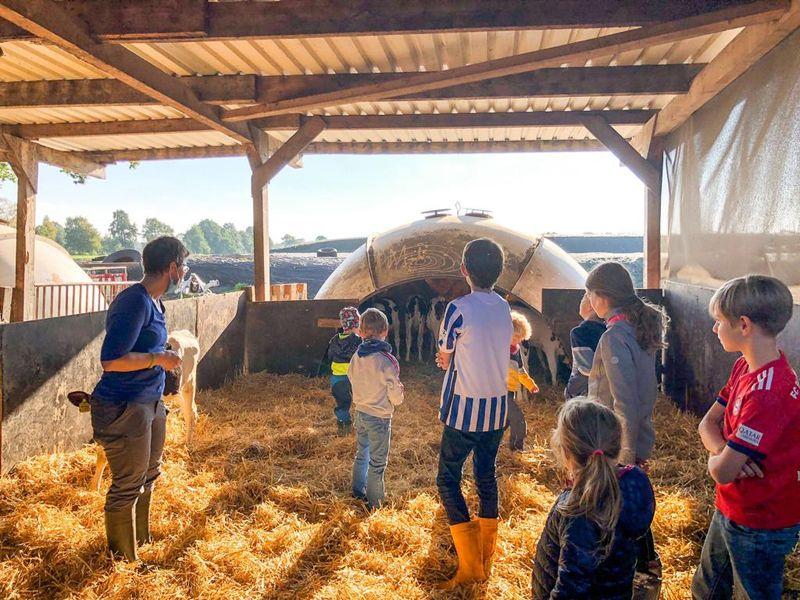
{"x":260,"y":507}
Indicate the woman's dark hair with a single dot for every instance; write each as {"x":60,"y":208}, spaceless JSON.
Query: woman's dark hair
{"x":161,"y":252}
{"x":612,"y":281}
{"x":483,"y":260}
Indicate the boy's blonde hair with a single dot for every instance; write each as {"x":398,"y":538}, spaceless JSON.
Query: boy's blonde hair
{"x":587,"y":435}
{"x":766,"y":301}
{"x":373,"y":322}
{"x":521,"y":325}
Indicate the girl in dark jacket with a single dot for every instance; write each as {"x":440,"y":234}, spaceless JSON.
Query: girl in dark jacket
{"x":588,"y":548}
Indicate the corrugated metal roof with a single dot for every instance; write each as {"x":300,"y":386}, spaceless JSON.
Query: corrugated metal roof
{"x":192,"y":139}
{"x":398,"y":53}
{"x":28,"y":61}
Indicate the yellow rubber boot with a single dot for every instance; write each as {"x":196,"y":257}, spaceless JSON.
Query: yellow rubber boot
{"x":467,"y":540}
{"x":488,"y":529}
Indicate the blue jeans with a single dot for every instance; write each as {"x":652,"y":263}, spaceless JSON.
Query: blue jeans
{"x":453,"y":452}
{"x":741,"y":562}
{"x":373,"y":435}
{"x":343,"y":394}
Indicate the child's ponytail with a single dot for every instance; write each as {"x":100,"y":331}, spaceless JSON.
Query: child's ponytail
{"x":612,"y":281}
{"x":587,"y":440}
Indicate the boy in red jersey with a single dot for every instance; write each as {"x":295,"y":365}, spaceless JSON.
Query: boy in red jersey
{"x":752,"y":433}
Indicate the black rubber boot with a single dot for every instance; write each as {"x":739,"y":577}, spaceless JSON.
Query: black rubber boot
{"x":121,"y":533}
{"x":143,"y":519}
{"x":343,"y":428}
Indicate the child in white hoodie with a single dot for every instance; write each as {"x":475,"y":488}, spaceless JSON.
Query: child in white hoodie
{"x":375,"y":376}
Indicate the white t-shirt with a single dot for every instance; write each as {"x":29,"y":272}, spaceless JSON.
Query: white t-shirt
{"x":477,"y":328}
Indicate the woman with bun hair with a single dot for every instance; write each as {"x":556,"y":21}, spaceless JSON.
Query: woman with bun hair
{"x":128,"y":413}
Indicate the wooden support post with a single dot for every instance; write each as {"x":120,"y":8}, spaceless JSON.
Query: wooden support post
{"x":260,"y":242}
{"x":22,"y":157}
{"x":258,"y":154}
{"x":266,"y":161}
{"x":652,"y":225}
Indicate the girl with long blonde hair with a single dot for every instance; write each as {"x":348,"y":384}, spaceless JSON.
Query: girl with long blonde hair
{"x":590,"y":541}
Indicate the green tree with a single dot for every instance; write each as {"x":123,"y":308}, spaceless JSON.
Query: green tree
{"x":195,"y":241}
{"x":232,"y":238}
{"x":52,"y":230}
{"x":153,"y":228}
{"x":80,"y":236}
{"x":246,"y":236}
{"x":320,"y":238}
{"x":122,"y":231}
{"x":6,"y":174}
{"x":290,"y":240}
{"x":221,"y":239}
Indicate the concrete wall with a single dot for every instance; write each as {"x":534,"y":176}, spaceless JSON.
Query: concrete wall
{"x":283,"y":337}
{"x":41,"y":361}
{"x":697,"y":366}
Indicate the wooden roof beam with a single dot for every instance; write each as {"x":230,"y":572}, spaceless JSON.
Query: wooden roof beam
{"x":72,"y":161}
{"x":247,"y":89}
{"x":356,"y":122}
{"x":352,"y":148}
{"x":48,"y":20}
{"x":228,"y":89}
{"x":738,"y":56}
{"x":178,"y":20}
{"x":574,"y":53}
{"x":481,"y":147}
{"x":554,"y":82}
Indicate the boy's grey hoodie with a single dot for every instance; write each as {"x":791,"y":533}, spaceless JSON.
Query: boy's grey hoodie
{"x":623,"y":377}
{"x":375,"y":376}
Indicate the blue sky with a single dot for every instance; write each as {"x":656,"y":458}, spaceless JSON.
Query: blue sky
{"x":340,"y":196}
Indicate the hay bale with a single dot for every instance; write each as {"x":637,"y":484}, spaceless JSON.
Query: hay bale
{"x":261,"y":506}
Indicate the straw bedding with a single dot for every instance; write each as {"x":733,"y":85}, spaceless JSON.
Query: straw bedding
{"x":260,"y":507}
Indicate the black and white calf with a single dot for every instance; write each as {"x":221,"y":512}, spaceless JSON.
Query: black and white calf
{"x":434,"y":320}
{"x":416,"y":314}
{"x":389,"y":308}
{"x":546,"y":344}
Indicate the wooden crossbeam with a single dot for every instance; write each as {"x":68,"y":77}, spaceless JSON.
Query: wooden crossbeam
{"x":738,"y":56}
{"x":181,"y":153}
{"x":72,"y":161}
{"x":620,"y":147}
{"x":288,"y":151}
{"x":555,"y":82}
{"x":481,"y":147}
{"x":226,"y":89}
{"x":106,"y":128}
{"x":180,"y":20}
{"x":468,"y":147}
{"x":292,"y":122}
{"x":48,"y":20}
{"x":577,"y":52}
{"x":248,"y":89}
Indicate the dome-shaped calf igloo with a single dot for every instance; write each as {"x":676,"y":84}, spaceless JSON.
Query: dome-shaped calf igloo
{"x":52,"y":265}
{"x":424,"y":258}
{"x":431,"y":249}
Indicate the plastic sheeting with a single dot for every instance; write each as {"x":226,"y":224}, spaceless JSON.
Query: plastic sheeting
{"x":733,"y":179}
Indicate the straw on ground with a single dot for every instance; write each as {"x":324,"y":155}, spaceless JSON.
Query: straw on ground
{"x":260,"y":507}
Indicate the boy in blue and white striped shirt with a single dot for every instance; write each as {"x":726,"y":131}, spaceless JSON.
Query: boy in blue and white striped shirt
{"x":473,"y":350}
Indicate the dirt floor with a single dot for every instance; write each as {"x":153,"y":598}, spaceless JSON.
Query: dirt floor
{"x":260,"y":507}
